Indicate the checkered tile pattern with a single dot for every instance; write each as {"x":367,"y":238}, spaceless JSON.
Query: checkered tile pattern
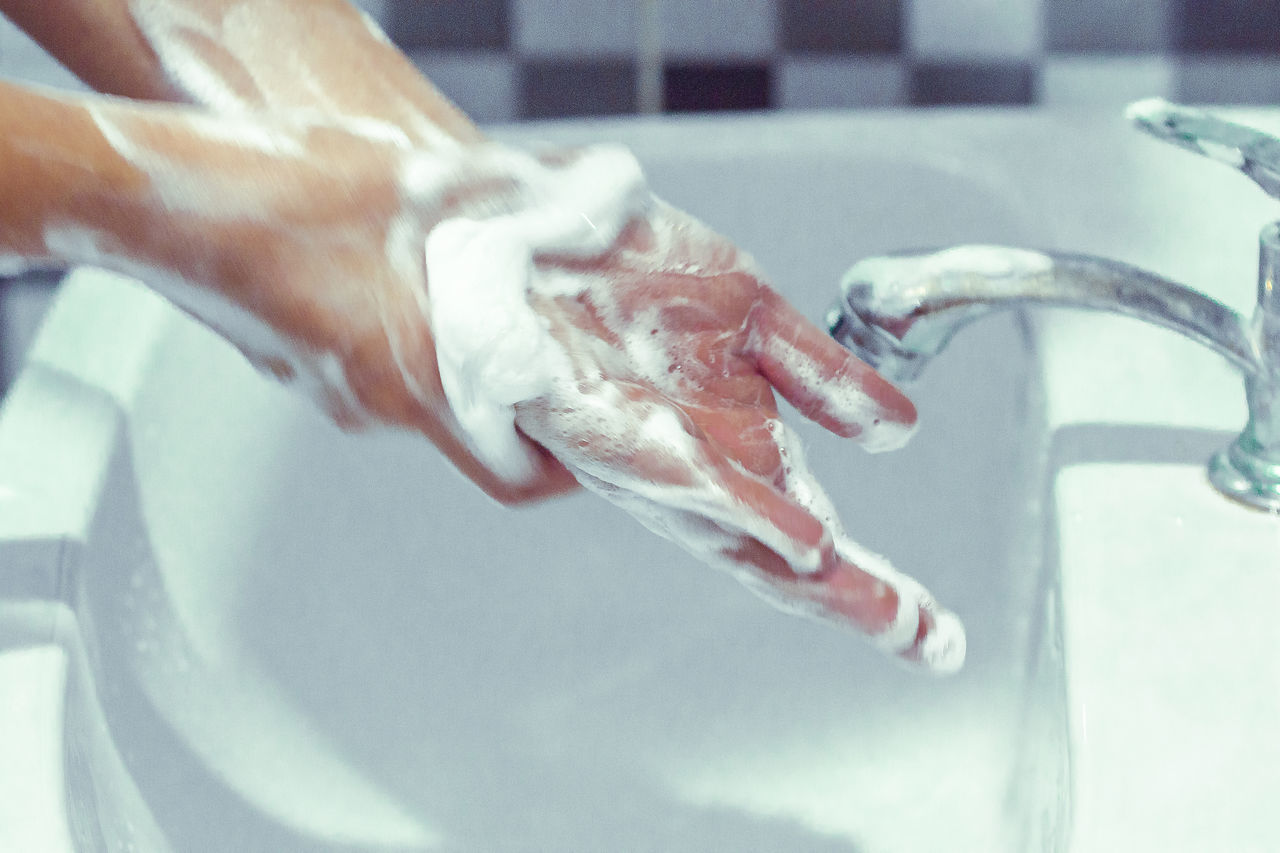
{"x":514,"y":59}
{"x":505,"y":60}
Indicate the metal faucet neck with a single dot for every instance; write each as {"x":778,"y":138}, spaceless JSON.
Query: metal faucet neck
{"x":899,"y":311}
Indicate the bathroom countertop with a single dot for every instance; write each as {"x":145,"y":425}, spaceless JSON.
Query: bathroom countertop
{"x":1169,"y":594}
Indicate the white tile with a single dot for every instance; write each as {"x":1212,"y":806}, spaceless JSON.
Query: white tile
{"x":974,"y":29}
{"x":1110,"y":81}
{"x":483,"y":85}
{"x":1228,"y":80}
{"x":32,"y":788}
{"x":839,"y":82}
{"x":719,"y":29}
{"x":565,"y":28}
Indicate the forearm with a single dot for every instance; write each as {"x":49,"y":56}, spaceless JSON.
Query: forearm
{"x":140,"y":189}
{"x":57,"y":175}
{"x":236,"y":55}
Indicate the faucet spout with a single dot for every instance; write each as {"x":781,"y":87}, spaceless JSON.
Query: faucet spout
{"x":1244,"y":148}
{"x":898,"y":311}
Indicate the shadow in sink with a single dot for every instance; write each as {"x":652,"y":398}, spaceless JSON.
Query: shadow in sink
{"x":174,"y":745}
{"x":1080,"y":444}
{"x":224,"y":758}
{"x":1044,"y":791}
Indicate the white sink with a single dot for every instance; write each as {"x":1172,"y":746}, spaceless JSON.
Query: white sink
{"x":277,"y":637}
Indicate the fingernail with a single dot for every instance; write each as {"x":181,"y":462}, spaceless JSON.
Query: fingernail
{"x":942,"y":649}
{"x":881,"y":435}
{"x":900,"y":633}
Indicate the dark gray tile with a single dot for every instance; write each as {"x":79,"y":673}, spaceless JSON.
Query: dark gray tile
{"x":938,"y":84}
{"x":841,"y":26}
{"x":1234,"y":26}
{"x":457,"y":24}
{"x":1105,"y":26}
{"x":553,"y":89}
{"x":699,"y":87}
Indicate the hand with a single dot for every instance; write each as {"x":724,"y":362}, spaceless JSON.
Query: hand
{"x":677,"y":348}
{"x":299,"y":240}
{"x":313,"y":243}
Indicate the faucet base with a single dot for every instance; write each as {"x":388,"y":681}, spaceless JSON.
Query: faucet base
{"x":1245,"y":476}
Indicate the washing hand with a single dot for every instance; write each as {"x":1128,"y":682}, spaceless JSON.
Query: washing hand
{"x":307,"y":245}
{"x":294,"y":224}
{"x":677,"y":349}
{"x":658,"y":392}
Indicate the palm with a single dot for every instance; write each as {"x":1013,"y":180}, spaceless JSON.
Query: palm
{"x":671,"y":414}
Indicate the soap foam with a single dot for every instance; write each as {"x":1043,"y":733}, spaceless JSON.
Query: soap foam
{"x":943,"y":649}
{"x":702,"y":514}
{"x":949,"y":270}
{"x":1148,"y":110}
{"x":842,"y":401}
{"x":494,"y":350}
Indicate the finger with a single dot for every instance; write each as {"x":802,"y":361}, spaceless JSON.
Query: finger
{"x":893,"y":611}
{"x":681,"y":486}
{"x":938,"y":643}
{"x":634,"y":440}
{"x":919,"y":632}
{"x":797,"y":480}
{"x":549,"y":478}
{"x":762,"y":513}
{"x":824,"y":381}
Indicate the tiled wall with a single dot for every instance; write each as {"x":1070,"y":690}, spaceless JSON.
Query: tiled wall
{"x":516,"y":59}
{"x":507,"y":60}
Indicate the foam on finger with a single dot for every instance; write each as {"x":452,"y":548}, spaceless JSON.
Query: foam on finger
{"x":644,"y":451}
{"x":494,"y":350}
{"x":943,"y":648}
{"x":844,"y":397}
{"x":921,"y":631}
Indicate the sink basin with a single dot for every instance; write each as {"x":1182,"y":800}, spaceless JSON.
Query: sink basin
{"x":259,"y":633}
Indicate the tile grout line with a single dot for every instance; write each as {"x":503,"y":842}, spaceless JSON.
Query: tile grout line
{"x":649,"y":57}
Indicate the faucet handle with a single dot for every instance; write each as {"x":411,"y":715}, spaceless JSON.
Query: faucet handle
{"x":1253,"y":152}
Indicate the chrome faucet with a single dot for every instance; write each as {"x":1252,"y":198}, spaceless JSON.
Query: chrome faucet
{"x":899,"y":311}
